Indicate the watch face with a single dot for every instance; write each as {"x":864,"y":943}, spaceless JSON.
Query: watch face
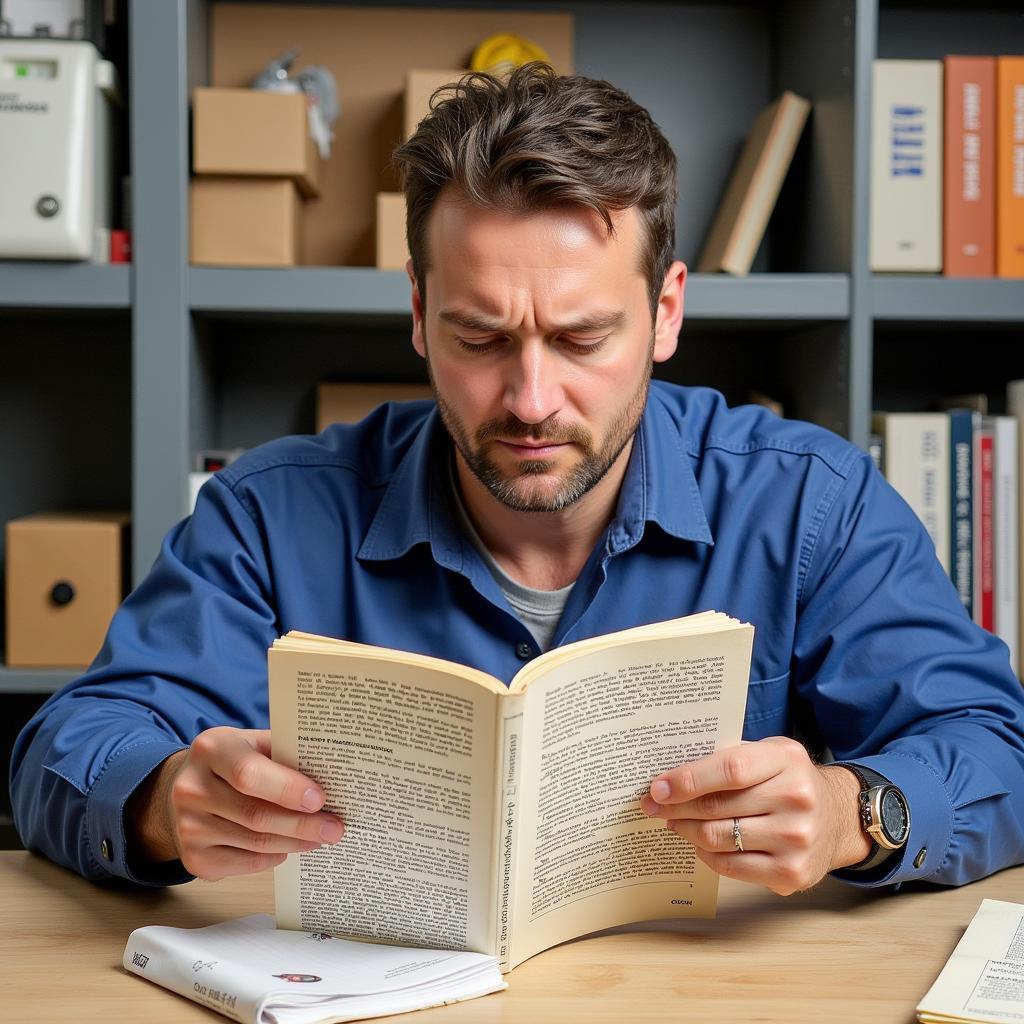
{"x":895,"y":819}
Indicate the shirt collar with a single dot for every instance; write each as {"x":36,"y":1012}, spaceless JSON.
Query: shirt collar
{"x":659,"y":487}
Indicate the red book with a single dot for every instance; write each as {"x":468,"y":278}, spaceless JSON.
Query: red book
{"x":985,"y":565}
{"x":969,"y":191}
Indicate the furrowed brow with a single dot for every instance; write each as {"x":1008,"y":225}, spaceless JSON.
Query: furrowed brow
{"x":476,"y":322}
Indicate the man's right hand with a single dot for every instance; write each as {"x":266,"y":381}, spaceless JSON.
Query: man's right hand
{"x":223,"y":807}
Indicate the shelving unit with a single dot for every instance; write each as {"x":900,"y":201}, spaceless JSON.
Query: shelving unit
{"x":115,"y":375}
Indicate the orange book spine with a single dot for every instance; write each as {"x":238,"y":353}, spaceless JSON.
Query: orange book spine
{"x":969,"y":193}
{"x":1010,"y":167}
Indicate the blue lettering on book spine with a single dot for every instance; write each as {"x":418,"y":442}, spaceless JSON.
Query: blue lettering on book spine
{"x":906,"y":141}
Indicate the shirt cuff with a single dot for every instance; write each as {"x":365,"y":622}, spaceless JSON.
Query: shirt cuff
{"x":106,"y":838}
{"x":931,"y":822}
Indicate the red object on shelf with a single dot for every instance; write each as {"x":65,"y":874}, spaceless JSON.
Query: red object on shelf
{"x":120,"y":246}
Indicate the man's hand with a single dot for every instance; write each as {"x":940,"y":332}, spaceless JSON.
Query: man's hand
{"x":223,"y":807}
{"x":798,"y":820}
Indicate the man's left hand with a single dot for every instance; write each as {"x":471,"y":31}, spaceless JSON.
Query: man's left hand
{"x":797,"y":820}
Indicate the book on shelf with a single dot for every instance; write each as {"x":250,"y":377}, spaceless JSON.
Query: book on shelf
{"x":1004,"y":531}
{"x":963,"y":424}
{"x":742,"y":217}
{"x":1010,"y":167}
{"x":984,"y":535}
{"x":906,"y":166}
{"x":969,"y":170}
{"x":917,"y":463}
{"x":1015,"y":408}
{"x":502,"y":820}
{"x":251,"y":971}
{"x":983,"y":980}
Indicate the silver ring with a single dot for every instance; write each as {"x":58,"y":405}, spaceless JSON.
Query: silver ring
{"x":737,"y":835}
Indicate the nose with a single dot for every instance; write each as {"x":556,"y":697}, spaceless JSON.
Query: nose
{"x":533,"y":391}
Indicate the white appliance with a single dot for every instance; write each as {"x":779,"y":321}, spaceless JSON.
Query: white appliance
{"x":56,"y":149}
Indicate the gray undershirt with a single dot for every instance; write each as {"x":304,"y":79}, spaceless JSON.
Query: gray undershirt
{"x":538,"y":610}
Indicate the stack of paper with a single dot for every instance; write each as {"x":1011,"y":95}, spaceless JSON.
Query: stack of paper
{"x":251,"y":971}
{"x":984,"y":978}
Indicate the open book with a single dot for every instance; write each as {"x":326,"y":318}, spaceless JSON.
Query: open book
{"x":253,"y":972}
{"x":502,"y":820}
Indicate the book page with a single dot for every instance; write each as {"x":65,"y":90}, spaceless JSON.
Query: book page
{"x":984,"y":978}
{"x":597,"y":729}
{"x":405,"y":754}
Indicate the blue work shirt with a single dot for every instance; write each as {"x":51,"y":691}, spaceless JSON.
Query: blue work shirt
{"x":861,"y":643}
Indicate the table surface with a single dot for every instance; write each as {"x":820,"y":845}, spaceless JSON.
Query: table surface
{"x":834,"y":954}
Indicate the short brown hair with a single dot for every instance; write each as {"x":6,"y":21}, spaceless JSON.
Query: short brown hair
{"x":537,"y":140}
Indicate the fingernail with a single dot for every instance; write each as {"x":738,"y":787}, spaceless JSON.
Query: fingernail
{"x":660,"y":790}
{"x":331,"y":830}
{"x":311,"y":800}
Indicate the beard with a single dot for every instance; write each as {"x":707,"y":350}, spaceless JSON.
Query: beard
{"x":521,"y":490}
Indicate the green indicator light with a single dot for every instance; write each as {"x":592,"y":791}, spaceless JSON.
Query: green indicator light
{"x":21,"y":71}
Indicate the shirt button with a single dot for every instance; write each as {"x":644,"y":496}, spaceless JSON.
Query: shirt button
{"x":107,"y":850}
{"x":921,"y":854}
{"x":524,"y":650}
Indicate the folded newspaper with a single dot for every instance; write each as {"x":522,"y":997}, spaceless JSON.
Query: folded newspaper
{"x":251,"y":971}
{"x":983,"y":980}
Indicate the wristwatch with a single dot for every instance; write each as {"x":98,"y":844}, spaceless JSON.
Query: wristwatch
{"x":884,"y":813}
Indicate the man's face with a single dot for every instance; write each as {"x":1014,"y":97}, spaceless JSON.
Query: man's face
{"x":539,"y":342}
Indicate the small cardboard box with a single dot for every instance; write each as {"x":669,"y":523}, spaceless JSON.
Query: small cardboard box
{"x":251,"y":132}
{"x":349,"y":403}
{"x":66,"y":576}
{"x":419,"y":86}
{"x":392,"y":248}
{"x":245,"y":222}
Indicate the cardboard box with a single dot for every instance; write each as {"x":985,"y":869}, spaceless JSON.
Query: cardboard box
{"x":392,"y":248}
{"x":419,"y":87}
{"x":245,"y":222}
{"x":349,"y":403}
{"x":66,"y":576}
{"x":255,"y":133}
{"x":368,"y":49}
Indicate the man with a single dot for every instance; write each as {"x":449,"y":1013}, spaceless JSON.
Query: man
{"x":553,"y":494}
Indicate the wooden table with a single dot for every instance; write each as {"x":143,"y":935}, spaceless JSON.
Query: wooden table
{"x":836,"y":954}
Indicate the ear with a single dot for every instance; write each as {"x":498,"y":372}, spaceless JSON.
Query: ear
{"x":418,"y":336}
{"x":669,"y":317}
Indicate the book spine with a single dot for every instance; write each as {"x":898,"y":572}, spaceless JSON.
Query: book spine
{"x":917,"y":464}
{"x":1015,"y":407}
{"x":510,"y":724}
{"x":969,"y":208}
{"x":1010,"y":167}
{"x":961,"y":445}
{"x":984,"y":611}
{"x":906,"y":166}
{"x":1004,"y":519}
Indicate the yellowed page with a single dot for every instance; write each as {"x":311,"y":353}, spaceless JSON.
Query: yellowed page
{"x":405,"y":753}
{"x":984,"y":978}
{"x":596,"y":730}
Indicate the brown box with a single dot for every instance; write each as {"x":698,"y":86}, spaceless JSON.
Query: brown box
{"x":392,"y":248}
{"x":245,"y":222}
{"x":65,"y":579}
{"x":252,"y":132}
{"x":419,"y":87}
{"x":360,"y":46}
{"x":349,"y":403}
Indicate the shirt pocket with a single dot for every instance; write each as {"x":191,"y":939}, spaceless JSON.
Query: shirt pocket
{"x":767,"y":707}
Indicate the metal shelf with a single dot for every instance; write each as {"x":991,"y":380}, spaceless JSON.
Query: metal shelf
{"x":65,"y":286}
{"x":363,"y":292}
{"x":35,"y":680}
{"x":978,"y":300}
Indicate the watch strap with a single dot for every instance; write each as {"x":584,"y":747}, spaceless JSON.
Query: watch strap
{"x":869,"y":779}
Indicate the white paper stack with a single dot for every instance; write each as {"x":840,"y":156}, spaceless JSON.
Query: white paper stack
{"x":253,"y":972}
